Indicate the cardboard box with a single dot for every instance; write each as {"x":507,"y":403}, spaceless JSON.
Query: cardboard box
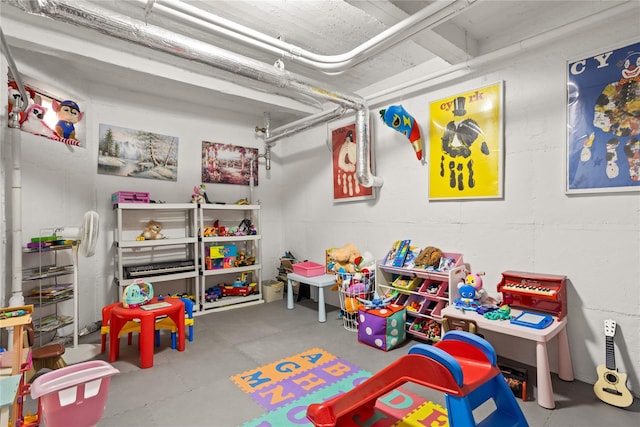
{"x":272,"y":291}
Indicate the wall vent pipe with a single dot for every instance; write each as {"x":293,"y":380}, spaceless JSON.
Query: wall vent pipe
{"x":87,"y":15}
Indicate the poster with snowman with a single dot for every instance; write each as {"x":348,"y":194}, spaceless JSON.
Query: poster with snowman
{"x":603,"y":122}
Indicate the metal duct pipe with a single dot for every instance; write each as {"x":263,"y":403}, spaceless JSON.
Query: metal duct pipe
{"x":428,"y":17}
{"x":304,"y":123}
{"x":87,"y":15}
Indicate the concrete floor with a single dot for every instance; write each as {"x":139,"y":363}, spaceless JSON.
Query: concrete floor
{"x":192,"y":388}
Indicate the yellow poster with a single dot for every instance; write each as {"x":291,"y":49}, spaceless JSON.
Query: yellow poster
{"x":466,"y":147}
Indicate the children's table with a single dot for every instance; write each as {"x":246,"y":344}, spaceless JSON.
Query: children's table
{"x":121,"y":315}
{"x":540,"y":336}
{"x":318,"y":282}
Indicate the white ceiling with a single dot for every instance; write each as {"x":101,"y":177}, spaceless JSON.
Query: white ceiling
{"x":463,"y":31}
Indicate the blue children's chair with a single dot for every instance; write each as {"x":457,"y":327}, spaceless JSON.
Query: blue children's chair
{"x":167,"y":323}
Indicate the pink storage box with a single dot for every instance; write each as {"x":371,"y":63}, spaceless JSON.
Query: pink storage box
{"x":308,"y":269}
{"x":74,"y":396}
{"x":129,"y":197}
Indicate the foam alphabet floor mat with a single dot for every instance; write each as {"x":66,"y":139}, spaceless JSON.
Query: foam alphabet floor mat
{"x":286,"y":388}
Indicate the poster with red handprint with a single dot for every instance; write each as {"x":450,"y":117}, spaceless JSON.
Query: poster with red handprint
{"x":346,"y":187}
{"x":466,"y":145}
{"x":603,"y":122}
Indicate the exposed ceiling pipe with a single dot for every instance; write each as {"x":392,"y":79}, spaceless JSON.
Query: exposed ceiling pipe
{"x":272,"y":135}
{"x":422,"y":83}
{"x":428,"y":17}
{"x":88,"y":15}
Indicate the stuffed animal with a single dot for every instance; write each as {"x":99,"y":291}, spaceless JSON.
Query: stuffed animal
{"x":14,"y":96}
{"x":200,"y":194}
{"x":467,"y":300}
{"x":33,"y":122}
{"x":152,"y":231}
{"x":68,"y":114}
{"x":366,"y":262}
{"x":429,"y":256}
{"x":344,"y":258}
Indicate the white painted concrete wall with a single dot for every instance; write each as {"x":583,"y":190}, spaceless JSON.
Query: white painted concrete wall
{"x":593,"y":239}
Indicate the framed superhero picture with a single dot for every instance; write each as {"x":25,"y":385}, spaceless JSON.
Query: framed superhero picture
{"x":466,"y":145}
{"x":603,"y":122}
{"x":346,"y":187}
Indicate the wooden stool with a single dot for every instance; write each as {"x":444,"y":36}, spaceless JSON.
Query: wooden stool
{"x":48,"y":356}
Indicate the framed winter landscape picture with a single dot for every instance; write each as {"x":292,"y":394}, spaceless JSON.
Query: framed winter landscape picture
{"x":137,"y":153}
{"x":603,"y":122}
{"x":229,"y":164}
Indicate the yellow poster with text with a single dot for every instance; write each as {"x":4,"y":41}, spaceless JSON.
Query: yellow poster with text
{"x":466,"y":145}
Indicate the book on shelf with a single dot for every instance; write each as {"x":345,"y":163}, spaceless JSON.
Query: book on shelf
{"x":51,"y":323}
{"x":50,"y":293}
{"x":45,"y":271}
{"x":398,"y":253}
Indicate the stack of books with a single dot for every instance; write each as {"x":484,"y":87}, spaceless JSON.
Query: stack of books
{"x":50,"y":293}
{"x":51,"y":323}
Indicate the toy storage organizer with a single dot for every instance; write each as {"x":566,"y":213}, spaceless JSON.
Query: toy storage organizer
{"x":352,"y":287}
{"x":424,"y":292}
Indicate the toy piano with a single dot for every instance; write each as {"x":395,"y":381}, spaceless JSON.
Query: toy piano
{"x":544,"y":293}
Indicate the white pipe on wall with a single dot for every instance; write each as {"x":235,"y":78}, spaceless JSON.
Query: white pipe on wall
{"x":16,"y":217}
{"x":429,"y":17}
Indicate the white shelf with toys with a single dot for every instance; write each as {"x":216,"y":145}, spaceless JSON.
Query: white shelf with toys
{"x":157,"y":243}
{"x":231,"y":248}
{"x":423,"y":288}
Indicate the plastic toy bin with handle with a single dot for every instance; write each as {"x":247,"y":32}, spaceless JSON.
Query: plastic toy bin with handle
{"x":74,"y":396}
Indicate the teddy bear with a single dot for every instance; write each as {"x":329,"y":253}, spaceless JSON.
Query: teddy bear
{"x":429,"y":256}
{"x":344,"y":259}
{"x":152,"y":231}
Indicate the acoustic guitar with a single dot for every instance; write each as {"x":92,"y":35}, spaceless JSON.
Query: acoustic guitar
{"x":611,"y":386}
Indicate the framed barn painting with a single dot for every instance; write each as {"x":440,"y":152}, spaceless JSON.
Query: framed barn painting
{"x":466,"y":145}
{"x":346,"y":187}
{"x":137,"y":153}
{"x":229,"y":164}
{"x":603,"y":122}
